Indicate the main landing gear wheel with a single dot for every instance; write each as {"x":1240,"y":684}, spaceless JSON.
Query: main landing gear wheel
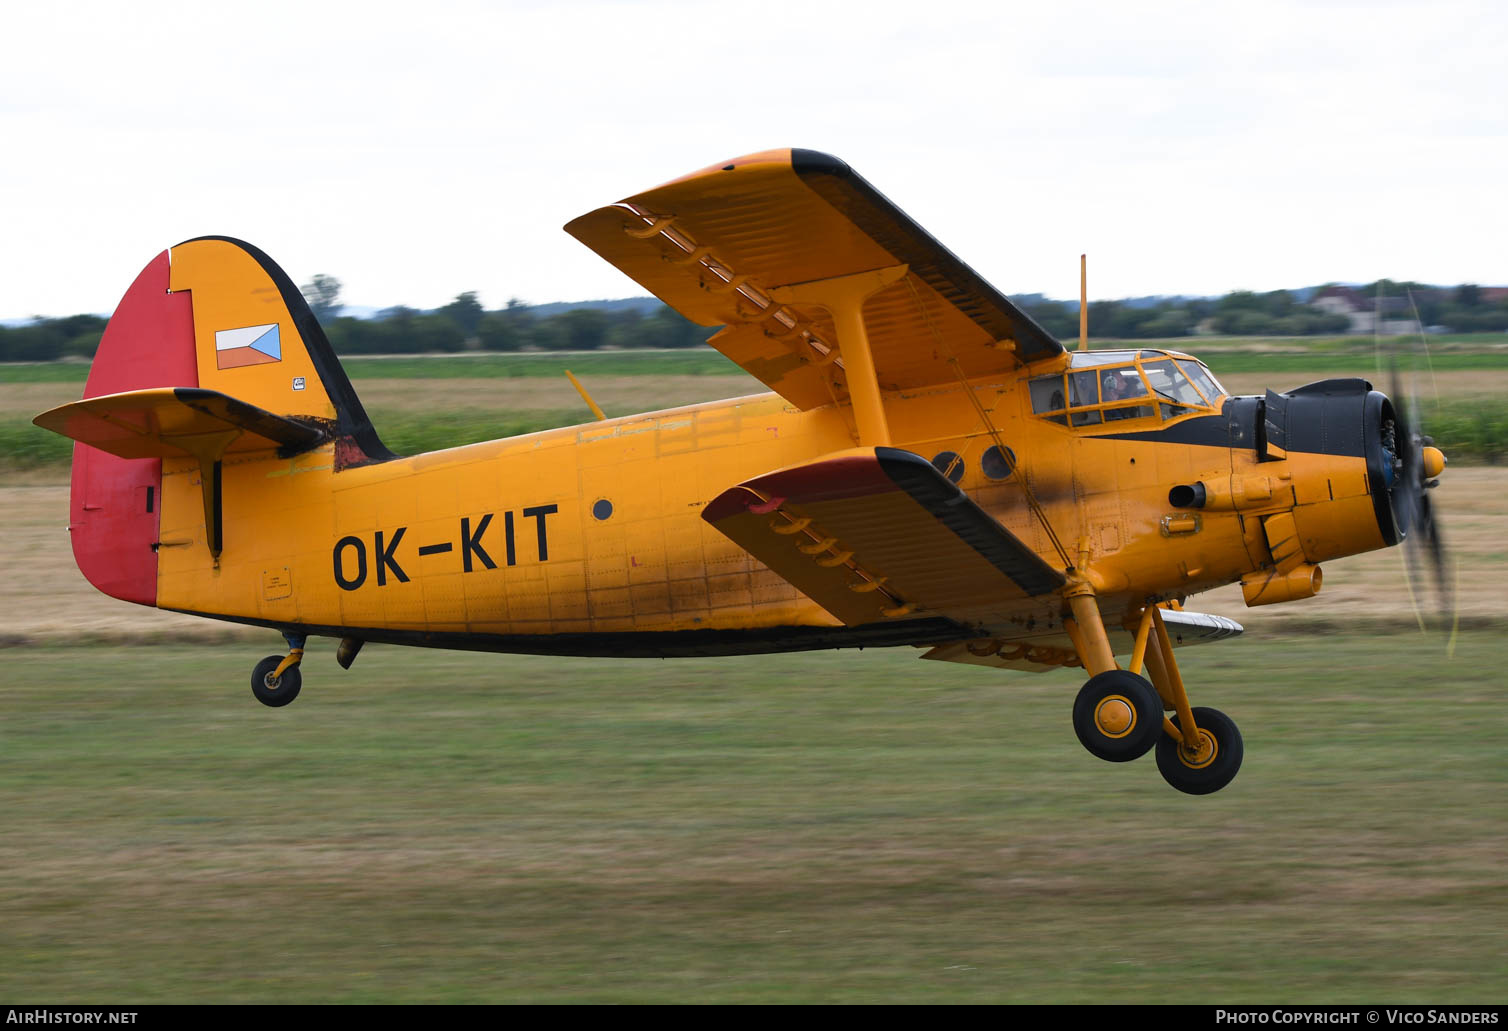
{"x":1118,"y":716}
{"x":275,"y":690}
{"x":1211,"y":762}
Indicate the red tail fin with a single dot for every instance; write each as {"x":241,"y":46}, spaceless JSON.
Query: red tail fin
{"x":116,"y":502}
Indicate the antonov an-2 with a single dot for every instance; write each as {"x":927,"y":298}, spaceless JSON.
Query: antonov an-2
{"x":932,"y":469}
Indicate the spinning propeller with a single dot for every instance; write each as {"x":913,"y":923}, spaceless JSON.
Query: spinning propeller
{"x":1416,"y":465}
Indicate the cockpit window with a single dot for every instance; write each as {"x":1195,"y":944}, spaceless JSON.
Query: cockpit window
{"x":1120,"y":385}
{"x":1117,"y":385}
{"x":1207,"y":384}
{"x":1101,"y":386}
{"x":1170,"y":384}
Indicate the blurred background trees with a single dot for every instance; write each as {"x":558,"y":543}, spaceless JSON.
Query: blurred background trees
{"x":466,"y":325}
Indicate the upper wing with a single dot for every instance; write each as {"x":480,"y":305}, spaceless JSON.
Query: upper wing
{"x":714,"y":244}
{"x":878,"y":533}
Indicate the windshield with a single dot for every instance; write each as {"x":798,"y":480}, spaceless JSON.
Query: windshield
{"x":1202,"y":379}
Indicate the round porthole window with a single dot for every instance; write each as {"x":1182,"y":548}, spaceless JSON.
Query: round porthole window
{"x":949,"y":464}
{"x":997,"y":464}
{"x":602,"y":509}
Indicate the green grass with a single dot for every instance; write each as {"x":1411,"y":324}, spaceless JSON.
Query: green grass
{"x":25,"y":447}
{"x":414,"y":433}
{"x":1226,"y":354}
{"x":701,"y":361}
{"x":1469,"y":431}
{"x":834,"y":827}
{"x":1330,"y":363}
{"x":44,"y":372}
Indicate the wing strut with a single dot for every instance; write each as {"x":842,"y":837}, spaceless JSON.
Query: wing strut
{"x":994,"y":431}
{"x":844,"y":297}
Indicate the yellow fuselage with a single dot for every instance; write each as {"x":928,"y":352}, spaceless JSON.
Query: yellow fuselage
{"x":597,"y":529}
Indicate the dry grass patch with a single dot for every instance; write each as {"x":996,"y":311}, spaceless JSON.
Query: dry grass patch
{"x":46,"y":598}
{"x":1451,"y":385}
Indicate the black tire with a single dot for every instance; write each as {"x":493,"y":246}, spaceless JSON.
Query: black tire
{"x":1207,"y":774}
{"x":1118,"y":716}
{"x":277,"y":692}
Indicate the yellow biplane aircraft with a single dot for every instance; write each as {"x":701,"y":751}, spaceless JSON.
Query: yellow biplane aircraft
{"x":933,"y":469}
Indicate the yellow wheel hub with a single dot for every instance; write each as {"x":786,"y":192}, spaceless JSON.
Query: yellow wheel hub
{"x":1115,"y":716}
{"x":1201,"y":754}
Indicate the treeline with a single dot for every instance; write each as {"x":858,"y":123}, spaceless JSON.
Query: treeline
{"x":1460,"y":309}
{"x":464,"y":324}
{"x":1237,"y":314}
{"x":460,"y":326}
{"x":45,"y":340}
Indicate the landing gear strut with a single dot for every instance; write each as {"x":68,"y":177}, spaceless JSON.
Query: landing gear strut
{"x":1118,"y":714}
{"x":276,"y":680}
{"x":1206,"y":765}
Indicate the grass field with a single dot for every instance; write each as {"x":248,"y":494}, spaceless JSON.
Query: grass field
{"x":856,"y":826}
{"x":829,"y":827}
{"x":837,"y":827}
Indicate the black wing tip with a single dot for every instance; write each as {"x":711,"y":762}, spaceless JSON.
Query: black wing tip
{"x":815,"y":162}
{"x":855,"y":196}
{"x":898,"y":460}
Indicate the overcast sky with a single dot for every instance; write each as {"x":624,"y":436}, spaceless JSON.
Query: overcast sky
{"x":416,"y":150}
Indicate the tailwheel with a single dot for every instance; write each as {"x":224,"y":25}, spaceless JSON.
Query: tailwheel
{"x":1206,"y":765}
{"x":275,"y":682}
{"x":1118,"y":716}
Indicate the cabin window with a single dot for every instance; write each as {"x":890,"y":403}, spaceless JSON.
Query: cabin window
{"x":998,"y":464}
{"x":950,"y":464}
{"x":1047,"y":396}
{"x":1083,"y":389}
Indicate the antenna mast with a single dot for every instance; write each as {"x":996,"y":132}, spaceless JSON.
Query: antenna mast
{"x":1083,"y":302}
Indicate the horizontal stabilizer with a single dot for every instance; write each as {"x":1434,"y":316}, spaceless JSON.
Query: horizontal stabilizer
{"x":878,"y":533}
{"x":173,"y":422}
